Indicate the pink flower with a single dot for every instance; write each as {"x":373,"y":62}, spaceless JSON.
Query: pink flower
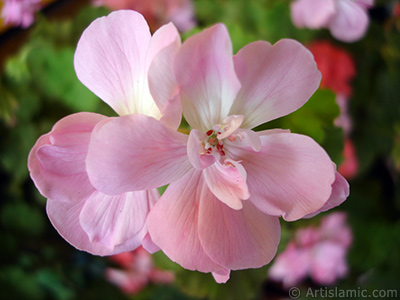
{"x":347,"y":20}
{"x":158,"y":12}
{"x":316,"y":252}
{"x":138,"y":271}
{"x":115,"y":58}
{"x":228,"y":184}
{"x":20,"y":12}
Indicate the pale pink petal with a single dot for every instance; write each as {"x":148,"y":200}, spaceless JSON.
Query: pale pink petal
{"x":276,"y":80}
{"x":350,"y":22}
{"x":173,"y":223}
{"x":230,"y":125}
{"x":365,"y":3}
{"x":65,"y":217}
{"x":340,"y":192}
{"x":57,"y":161}
{"x":149,"y":245}
{"x":221,"y":276}
{"x":206,"y":77}
{"x":252,"y":138}
{"x":161,"y":77}
{"x":135,"y":152}
{"x":113,"y":220}
{"x":312,"y":13}
{"x":237,"y":239}
{"x":172,"y":115}
{"x":227,"y":182}
{"x":196,"y":151}
{"x":291,"y":175}
{"x":111,"y":60}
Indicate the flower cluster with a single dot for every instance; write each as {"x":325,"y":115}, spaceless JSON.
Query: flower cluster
{"x":347,"y":20}
{"x":228,"y":184}
{"x":316,"y":252}
{"x":157,"y":12}
{"x":20,"y":12}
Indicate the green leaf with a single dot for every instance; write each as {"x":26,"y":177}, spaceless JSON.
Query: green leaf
{"x":53,"y":72}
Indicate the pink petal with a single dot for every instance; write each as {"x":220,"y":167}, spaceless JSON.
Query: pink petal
{"x":149,"y":245}
{"x":227,"y":182}
{"x":65,"y":217}
{"x":195,"y":147}
{"x":350,"y":22}
{"x":114,"y":57}
{"x":365,"y":3}
{"x":172,"y":115}
{"x":291,"y":175}
{"x":114,"y":220}
{"x":135,"y":152}
{"x":206,"y":77}
{"x":340,"y":192}
{"x":312,"y":13}
{"x":57,"y":161}
{"x":161,"y":77}
{"x":231,"y":124}
{"x":177,"y":234}
{"x":110,"y":60}
{"x":237,"y":239}
{"x":252,"y":138}
{"x":276,"y":80}
{"x":221,"y":276}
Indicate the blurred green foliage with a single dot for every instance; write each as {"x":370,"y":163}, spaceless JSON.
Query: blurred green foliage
{"x":38,"y":86}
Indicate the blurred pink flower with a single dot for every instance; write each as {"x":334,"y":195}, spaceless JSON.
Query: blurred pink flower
{"x":347,"y":20}
{"x":20,"y":12}
{"x":228,"y":184}
{"x":344,"y":119}
{"x":114,"y":59}
{"x":316,"y":252}
{"x":158,"y":12}
{"x":138,"y":271}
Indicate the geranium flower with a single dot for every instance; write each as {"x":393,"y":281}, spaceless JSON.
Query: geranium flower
{"x":347,"y":20}
{"x":316,"y":252}
{"x":118,"y":59}
{"x":20,"y":12}
{"x":228,"y":184}
{"x":158,"y":12}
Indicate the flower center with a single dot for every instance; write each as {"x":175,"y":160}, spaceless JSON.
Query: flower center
{"x":212,"y":142}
